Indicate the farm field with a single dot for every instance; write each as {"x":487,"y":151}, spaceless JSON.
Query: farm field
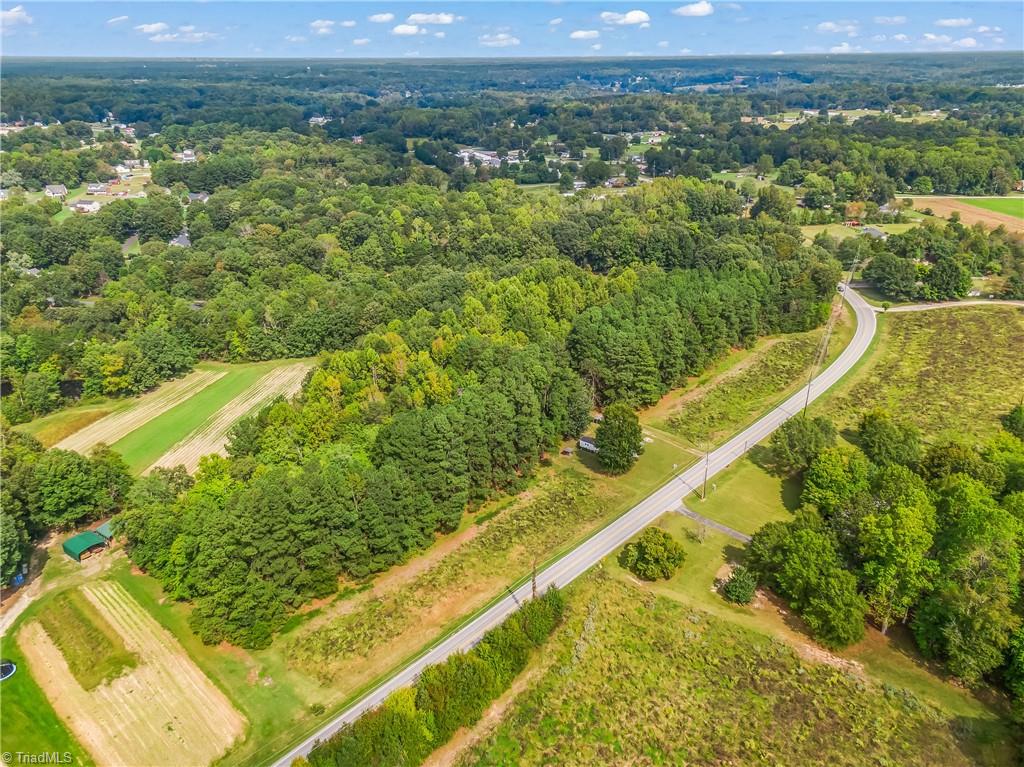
{"x":225,"y":400}
{"x":1011,"y":206}
{"x":162,"y":711}
{"x":972,"y":213}
{"x":212,"y":436}
{"x":133,"y":413}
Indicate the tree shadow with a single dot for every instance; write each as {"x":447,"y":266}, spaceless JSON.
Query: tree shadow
{"x":761,"y":457}
{"x":792,"y":489}
{"x":735,"y":553}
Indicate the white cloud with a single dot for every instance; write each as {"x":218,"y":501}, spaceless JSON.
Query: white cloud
{"x":347,"y":23}
{"x":961,"y":22}
{"x":117,"y":20}
{"x":663,"y":43}
{"x":625,"y":19}
{"x":431,"y":18}
{"x":998,"y":40}
{"x":556,"y":22}
{"x":966,"y":42}
{"x":294,"y":39}
{"x":405,"y":30}
{"x":322,"y":27}
{"x":845,"y":47}
{"x":382,"y":18}
{"x":890,"y":21}
{"x":439,"y":35}
{"x":14,"y":16}
{"x":499,"y":40}
{"x":839,"y":27}
{"x":778,"y":53}
{"x":731,"y":6}
{"x":152,"y":29}
{"x":595,"y":47}
{"x":186,"y":34}
{"x":901,"y":38}
{"x":878,"y":38}
{"x":986,"y":30}
{"x":584,"y":34}
{"x":933,"y":38}
{"x":684,"y":51}
{"x":361,"y":41}
{"x":700,"y":8}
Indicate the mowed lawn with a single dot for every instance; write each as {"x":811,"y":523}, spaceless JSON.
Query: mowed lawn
{"x":154,"y":438}
{"x":1011,"y":206}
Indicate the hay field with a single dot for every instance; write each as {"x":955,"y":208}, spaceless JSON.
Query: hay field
{"x":164,"y":712}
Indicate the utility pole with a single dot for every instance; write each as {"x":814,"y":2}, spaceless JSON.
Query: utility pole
{"x":707,"y":460}
{"x":534,"y":579}
{"x":822,"y":351}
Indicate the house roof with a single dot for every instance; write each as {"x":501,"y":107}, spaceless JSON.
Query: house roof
{"x":105,"y":530}
{"x":77,"y":545}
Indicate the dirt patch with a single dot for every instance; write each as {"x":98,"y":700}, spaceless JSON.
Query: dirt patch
{"x":165,"y":712}
{"x":212,"y":436}
{"x":111,"y":428}
{"x":969,"y":214}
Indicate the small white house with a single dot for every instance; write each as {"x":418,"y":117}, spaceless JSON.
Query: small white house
{"x":86,"y":206}
{"x":97,"y":188}
{"x":56,"y":190}
{"x":588,"y":444}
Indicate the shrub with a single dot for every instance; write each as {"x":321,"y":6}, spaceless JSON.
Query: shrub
{"x":655,"y":555}
{"x":740,"y":587}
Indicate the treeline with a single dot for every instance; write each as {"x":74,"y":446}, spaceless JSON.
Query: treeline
{"x":411,"y":723}
{"x":929,"y":536}
{"x":45,"y":490}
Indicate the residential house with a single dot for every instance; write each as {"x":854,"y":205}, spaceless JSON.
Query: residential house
{"x":86,"y":206}
{"x":198,"y":196}
{"x":186,"y":155}
{"x":97,"y":188}
{"x":182,"y":240}
{"x":56,"y":190}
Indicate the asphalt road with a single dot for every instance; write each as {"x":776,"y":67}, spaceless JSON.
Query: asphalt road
{"x":573,"y":564}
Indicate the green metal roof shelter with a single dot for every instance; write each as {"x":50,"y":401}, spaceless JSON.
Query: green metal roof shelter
{"x":83,"y":543}
{"x":105,"y":530}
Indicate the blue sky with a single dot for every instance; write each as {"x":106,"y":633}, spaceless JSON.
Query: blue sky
{"x":497,"y":29}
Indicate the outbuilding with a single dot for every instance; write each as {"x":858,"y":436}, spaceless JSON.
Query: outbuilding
{"x":84,"y":545}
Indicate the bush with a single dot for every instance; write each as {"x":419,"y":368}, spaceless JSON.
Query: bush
{"x":740,"y":587}
{"x":653,"y":556}
{"x":411,"y":723}
{"x":798,"y":442}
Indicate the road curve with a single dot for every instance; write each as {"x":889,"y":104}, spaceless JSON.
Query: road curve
{"x":573,"y":564}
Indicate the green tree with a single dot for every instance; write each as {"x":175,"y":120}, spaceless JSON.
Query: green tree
{"x":741,"y":586}
{"x":655,"y":555}
{"x":619,"y":438}
{"x":887,"y":441}
{"x":1013,"y":421}
{"x":796,"y":443}
{"x":895,"y":540}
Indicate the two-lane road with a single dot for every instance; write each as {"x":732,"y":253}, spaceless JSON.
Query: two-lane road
{"x":667,"y":498}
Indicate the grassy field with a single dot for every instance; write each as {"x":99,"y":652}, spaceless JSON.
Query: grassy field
{"x":947,"y":370}
{"x":773,"y":370}
{"x":645,"y":676}
{"x":974,"y":210}
{"x":93,"y":650}
{"x":1011,"y":206}
{"x":52,"y":428}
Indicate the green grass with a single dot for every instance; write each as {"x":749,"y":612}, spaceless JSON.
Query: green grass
{"x":52,"y":428}
{"x":94,"y":651}
{"x":154,"y":438}
{"x":28,"y":722}
{"x":1011,"y":206}
{"x":636,"y":676}
{"x":745,"y":497}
